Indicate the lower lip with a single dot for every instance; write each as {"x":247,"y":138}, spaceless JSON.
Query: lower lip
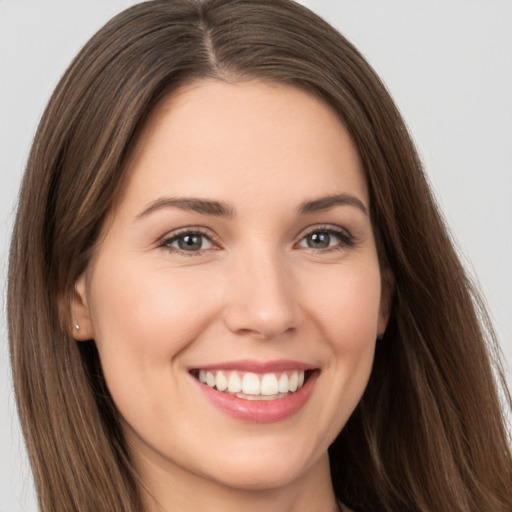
{"x":260,"y":411}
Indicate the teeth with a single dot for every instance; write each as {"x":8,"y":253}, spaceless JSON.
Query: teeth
{"x":234,"y":383}
{"x":283,"y":383}
{"x":253,"y":386}
{"x":269,"y":384}
{"x":210,"y":379}
{"x":293,"y":382}
{"x":221,"y":383}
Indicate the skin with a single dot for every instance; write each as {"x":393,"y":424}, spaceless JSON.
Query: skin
{"x":255,"y":289}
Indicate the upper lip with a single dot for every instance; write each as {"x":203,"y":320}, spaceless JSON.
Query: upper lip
{"x":255,"y":366}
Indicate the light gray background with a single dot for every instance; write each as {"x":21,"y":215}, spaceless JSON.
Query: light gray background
{"x":446,"y":62}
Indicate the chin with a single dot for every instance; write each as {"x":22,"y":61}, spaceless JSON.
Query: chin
{"x":267,"y":468}
{"x":258,"y":478}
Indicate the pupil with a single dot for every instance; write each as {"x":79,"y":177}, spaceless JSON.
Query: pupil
{"x":319,"y":240}
{"x":190,"y":242}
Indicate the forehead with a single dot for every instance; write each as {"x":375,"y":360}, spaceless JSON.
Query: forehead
{"x":212,"y":137}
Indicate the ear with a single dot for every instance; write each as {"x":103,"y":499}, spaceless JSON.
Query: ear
{"x":386,"y":301}
{"x":82,"y":328}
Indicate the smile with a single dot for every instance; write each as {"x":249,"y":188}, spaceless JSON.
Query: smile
{"x":257,"y":392}
{"x":254,"y":386}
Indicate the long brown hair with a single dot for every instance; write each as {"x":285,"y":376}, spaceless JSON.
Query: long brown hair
{"x":429,"y":433}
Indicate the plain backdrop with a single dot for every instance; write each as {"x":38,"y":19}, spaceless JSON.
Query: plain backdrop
{"x":447,"y":63}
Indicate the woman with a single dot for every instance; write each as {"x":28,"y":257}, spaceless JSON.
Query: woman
{"x":222,"y":211}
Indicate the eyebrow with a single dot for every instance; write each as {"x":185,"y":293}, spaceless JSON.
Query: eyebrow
{"x":222,"y":209}
{"x":203,"y":206}
{"x":327,"y":202}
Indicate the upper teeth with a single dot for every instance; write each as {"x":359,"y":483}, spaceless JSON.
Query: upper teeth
{"x":248,"y":383}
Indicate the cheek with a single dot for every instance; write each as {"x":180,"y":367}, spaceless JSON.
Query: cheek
{"x":348,"y":307}
{"x":348,"y":315}
{"x":345,"y":312}
{"x":143,"y":319}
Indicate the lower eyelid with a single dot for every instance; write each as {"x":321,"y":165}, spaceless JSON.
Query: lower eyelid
{"x":205,"y":240}
{"x":345,"y":238}
{"x":167,"y":241}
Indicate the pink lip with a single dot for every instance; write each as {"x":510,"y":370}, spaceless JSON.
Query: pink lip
{"x":250,"y":365}
{"x":260,"y":411}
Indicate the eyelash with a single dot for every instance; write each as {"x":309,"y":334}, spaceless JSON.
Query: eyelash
{"x":191,"y":231}
{"x":346,"y":240}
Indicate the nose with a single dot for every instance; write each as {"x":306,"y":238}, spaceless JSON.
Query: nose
{"x":262,"y":302}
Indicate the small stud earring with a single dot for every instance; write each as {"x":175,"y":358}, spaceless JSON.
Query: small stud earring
{"x":77,"y":327}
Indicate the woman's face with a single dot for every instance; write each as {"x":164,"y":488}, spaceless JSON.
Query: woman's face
{"x":241,"y":253}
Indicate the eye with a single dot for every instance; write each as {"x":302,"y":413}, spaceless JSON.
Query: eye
{"x":188,"y":241}
{"x":325,"y":238}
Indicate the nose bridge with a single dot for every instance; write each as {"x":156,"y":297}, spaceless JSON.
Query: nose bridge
{"x":262,"y":301}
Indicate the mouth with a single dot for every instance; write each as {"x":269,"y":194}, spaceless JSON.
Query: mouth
{"x":257,"y":392}
{"x":254,"y":385}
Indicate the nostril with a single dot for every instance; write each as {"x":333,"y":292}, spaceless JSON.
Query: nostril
{"x":263,"y":308}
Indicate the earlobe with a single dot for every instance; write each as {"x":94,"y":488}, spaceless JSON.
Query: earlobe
{"x":82,"y":328}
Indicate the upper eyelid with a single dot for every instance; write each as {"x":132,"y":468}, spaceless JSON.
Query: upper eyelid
{"x":172,"y":235}
{"x":345,"y":237}
{"x":325,"y":227}
{"x":214,"y":238}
